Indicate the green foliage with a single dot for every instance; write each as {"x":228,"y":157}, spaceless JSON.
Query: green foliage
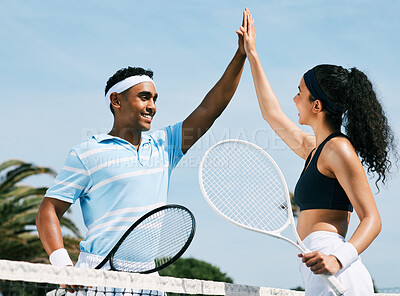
{"x":299,"y":288}
{"x":195,"y":269}
{"x":19,"y":205}
{"x":295,"y":207}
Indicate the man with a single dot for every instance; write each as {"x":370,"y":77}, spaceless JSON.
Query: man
{"x":119,"y":176}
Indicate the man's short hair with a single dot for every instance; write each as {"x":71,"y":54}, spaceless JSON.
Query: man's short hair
{"x":123,"y":74}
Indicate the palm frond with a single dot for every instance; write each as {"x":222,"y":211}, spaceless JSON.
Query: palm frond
{"x":16,"y":175}
{"x":19,"y":205}
{"x":22,"y":191}
{"x":27,"y":217}
{"x":10,"y":163}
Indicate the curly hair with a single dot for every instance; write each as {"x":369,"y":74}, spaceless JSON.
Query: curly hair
{"x":123,"y":74}
{"x":364,"y":120}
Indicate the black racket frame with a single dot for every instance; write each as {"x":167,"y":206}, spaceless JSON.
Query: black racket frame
{"x":134,"y":225}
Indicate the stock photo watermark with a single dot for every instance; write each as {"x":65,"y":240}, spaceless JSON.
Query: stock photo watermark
{"x":265,"y":138}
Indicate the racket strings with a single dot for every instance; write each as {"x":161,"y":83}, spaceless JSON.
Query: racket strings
{"x":244,"y":185}
{"x":155,"y":241}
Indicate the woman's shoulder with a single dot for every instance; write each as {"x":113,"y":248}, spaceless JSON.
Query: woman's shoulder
{"x":339,"y":151}
{"x":339,"y":144}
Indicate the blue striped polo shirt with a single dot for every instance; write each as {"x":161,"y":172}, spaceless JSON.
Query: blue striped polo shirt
{"x":116,"y":184}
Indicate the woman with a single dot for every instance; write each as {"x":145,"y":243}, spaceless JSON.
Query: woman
{"x":333,"y":181}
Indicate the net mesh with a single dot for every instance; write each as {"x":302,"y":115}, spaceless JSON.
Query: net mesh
{"x":29,"y":279}
{"x":22,"y":278}
{"x":245,"y":186}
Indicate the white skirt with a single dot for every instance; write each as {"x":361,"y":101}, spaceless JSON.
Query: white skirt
{"x":355,"y":278}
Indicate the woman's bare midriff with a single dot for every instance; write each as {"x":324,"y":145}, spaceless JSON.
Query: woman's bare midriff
{"x":322,"y":220}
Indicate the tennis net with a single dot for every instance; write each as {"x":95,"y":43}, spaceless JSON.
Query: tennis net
{"x":32,"y":279}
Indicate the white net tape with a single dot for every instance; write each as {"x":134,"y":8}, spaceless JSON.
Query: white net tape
{"x":42,"y":273}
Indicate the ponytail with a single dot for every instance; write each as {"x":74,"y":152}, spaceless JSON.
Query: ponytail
{"x":364,"y":119}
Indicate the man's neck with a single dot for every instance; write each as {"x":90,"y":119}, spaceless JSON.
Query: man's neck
{"x":132,"y":136}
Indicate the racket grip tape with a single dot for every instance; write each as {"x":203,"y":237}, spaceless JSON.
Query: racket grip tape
{"x":334,"y":283}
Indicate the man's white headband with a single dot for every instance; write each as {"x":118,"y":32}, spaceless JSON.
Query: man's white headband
{"x":126,"y":84}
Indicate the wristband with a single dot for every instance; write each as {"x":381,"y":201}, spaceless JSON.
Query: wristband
{"x":60,"y":257}
{"x":346,"y":254}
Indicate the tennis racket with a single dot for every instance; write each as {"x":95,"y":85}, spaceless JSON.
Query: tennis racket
{"x":153,"y":242}
{"x":244,"y":185}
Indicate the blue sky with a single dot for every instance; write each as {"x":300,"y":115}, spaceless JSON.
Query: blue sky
{"x":57,"y":55}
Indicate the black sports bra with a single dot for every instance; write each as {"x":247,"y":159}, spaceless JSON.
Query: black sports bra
{"x":317,"y":191}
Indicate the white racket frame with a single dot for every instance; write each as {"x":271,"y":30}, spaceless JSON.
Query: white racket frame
{"x":330,"y":279}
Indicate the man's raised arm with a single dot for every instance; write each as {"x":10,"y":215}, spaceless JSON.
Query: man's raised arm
{"x":214,"y":103}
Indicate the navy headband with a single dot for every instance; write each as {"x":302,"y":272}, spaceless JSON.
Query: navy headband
{"x":318,"y":93}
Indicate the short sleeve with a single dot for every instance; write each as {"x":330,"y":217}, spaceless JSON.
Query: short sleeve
{"x":72,"y":181}
{"x":174,"y":144}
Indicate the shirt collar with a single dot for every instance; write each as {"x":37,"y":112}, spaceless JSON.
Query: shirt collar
{"x":104,"y":137}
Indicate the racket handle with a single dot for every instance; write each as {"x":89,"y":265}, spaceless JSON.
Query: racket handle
{"x":335,"y":285}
